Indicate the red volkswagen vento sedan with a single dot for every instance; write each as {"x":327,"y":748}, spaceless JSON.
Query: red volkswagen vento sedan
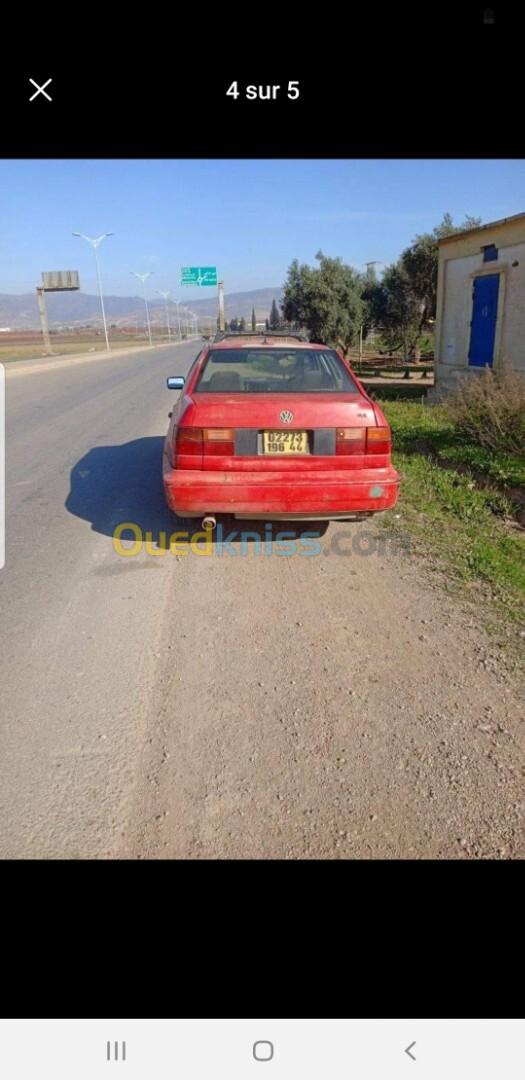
{"x":276,"y":427}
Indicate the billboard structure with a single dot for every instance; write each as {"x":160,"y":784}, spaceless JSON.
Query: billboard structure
{"x":60,"y":280}
{"x":54,"y":281}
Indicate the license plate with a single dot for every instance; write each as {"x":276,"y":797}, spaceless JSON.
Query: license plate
{"x":285,"y":442}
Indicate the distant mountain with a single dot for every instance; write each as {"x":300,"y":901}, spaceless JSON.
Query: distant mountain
{"x":80,"y":309}
{"x":238,"y":304}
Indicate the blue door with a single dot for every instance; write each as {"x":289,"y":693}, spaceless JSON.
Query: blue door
{"x":483,"y":325}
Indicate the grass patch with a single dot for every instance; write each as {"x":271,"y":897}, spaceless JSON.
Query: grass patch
{"x":410,"y":392}
{"x":506,"y":469}
{"x":469,"y":529}
{"x":430,"y":429}
{"x":417,"y":427}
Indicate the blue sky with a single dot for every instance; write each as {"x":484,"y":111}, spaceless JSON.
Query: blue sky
{"x":249,"y":218}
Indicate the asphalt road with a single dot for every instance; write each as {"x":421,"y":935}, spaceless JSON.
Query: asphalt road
{"x":231,"y":705}
{"x":80,"y":625}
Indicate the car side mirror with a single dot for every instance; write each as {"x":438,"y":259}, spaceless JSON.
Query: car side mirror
{"x":175,"y":382}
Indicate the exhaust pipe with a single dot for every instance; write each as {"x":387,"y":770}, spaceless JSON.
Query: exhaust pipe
{"x":209,"y":522}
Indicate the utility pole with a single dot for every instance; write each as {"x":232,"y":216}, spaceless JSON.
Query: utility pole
{"x":43,"y":320}
{"x":221,"y":305}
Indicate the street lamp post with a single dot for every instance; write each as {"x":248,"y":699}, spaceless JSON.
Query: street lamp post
{"x":95,"y":241}
{"x":143,"y":278}
{"x":166,"y":296}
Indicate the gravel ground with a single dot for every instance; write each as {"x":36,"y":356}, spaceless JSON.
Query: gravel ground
{"x":330,"y":706}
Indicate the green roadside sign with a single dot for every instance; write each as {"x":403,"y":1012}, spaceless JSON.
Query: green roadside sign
{"x":198,"y":275}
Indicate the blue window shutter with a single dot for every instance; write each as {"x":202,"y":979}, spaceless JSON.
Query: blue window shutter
{"x":490,"y":253}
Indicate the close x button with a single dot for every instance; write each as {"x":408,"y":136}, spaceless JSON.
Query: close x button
{"x":40,"y":90}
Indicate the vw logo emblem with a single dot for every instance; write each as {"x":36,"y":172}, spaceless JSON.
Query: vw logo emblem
{"x":286,"y":416}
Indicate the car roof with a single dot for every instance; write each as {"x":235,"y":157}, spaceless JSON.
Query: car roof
{"x":276,"y":343}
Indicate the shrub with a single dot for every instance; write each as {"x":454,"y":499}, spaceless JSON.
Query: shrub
{"x":489,"y":407}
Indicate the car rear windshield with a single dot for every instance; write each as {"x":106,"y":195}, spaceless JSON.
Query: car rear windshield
{"x":262,"y":370}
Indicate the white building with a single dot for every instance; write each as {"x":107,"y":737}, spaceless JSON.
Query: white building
{"x":480,"y":316}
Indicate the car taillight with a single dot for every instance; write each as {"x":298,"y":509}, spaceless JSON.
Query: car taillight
{"x":378,"y":440}
{"x":218,"y":441}
{"x":188,"y":445}
{"x":350,"y":440}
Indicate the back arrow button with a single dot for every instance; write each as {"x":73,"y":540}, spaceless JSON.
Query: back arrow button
{"x":408,"y":1049}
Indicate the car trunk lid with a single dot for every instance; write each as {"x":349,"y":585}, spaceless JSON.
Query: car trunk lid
{"x":240,"y":422}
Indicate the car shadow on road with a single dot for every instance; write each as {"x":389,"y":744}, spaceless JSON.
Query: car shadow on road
{"x":113,"y":485}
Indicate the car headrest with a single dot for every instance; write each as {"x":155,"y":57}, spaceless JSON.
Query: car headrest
{"x":224,"y":380}
{"x":309,"y":380}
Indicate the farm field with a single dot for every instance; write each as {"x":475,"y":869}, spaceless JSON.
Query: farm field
{"x":27,"y":345}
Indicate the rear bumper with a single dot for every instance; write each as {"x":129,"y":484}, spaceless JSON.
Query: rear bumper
{"x":198,"y":491}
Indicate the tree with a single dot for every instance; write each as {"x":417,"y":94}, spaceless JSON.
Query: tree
{"x":267,"y":324}
{"x":254,"y":321}
{"x":327,"y":300}
{"x":404,"y":302}
{"x":392,"y":305}
{"x":242,"y":324}
{"x":234,"y":324}
{"x":420,"y":263}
